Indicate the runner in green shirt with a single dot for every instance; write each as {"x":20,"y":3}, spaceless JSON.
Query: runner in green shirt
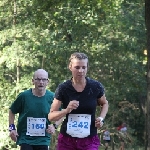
{"x":33,"y":127}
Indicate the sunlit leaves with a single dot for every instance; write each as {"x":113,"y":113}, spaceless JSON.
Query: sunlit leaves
{"x":110,"y":32}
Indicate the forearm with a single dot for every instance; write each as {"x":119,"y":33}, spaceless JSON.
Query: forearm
{"x":104,"y":110}
{"x":11,"y":117}
{"x":56,"y":115}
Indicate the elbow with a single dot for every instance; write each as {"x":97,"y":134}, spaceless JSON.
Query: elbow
{"x":107,"y":104}
{"x":51,"y":117}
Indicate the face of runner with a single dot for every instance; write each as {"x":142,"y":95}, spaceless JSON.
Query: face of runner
{"x":40,"y":80}
{"x":78,"y":68}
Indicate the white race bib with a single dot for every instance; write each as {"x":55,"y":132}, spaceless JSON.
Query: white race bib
{"x":36,"y":126}
{"x":78,"y":125}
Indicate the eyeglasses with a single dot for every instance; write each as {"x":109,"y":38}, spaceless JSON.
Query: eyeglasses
{"x":43,"y":79}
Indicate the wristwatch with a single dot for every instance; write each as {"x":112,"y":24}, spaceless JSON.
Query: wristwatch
{"x":56,"y":126}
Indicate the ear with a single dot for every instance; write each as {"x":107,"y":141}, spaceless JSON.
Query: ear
{"x":47,"y":82}
{"x":70,"y":67}
{"x":33,"y":81}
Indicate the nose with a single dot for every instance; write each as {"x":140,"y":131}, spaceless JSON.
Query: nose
{"x":41,"y":81}
{"x":81,"y":70}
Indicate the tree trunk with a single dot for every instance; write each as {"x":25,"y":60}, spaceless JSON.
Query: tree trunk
{"x":16,"y":49}
{"x":147,"y":22}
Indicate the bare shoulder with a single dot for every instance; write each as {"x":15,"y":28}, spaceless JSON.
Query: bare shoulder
{"x":56,"y":101}
{"x":102,"y":100}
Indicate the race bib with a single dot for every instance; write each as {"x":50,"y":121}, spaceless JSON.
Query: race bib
{"x":36,"y":126}
{"x":78,"y":125}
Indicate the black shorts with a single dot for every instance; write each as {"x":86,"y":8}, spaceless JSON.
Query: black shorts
{"x":106,"y":141}
{"x":33,"y":147}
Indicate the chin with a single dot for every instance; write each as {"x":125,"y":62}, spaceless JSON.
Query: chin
{"x":81,"y":77}
{"x":41,"y":88}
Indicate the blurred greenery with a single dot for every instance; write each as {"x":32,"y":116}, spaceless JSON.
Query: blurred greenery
{"x":42,"y":34}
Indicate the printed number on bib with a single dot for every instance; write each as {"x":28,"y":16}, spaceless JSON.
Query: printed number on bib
{"x":78,"y":125}
{"x":36,"y":126}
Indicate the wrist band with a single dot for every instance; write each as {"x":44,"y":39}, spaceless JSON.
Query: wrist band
{"x":12,"y":127}
{"x":101,"y":119}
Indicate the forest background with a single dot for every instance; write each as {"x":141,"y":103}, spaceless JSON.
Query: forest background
{"x":42,"y":34}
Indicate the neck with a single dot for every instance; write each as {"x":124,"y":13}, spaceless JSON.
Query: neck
{"x":38,"y":93}
{"x":74,"y":81}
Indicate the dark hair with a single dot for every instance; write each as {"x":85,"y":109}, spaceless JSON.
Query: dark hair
{"x":78,"y":55}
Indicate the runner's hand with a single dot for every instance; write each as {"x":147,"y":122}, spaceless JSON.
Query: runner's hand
{"x":13,"y":135}
{"x":50,"y":129}
{"x":72,"y":105}
{"x":98,"y":123}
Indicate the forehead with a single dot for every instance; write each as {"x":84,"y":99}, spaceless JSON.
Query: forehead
{"x":41,"y":74}
{"x":79,"y":62}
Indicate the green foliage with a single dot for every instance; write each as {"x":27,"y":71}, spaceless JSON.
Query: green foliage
{"x":44,"y":34}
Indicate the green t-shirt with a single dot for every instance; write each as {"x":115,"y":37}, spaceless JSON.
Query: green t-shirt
{"x":29,"y":105}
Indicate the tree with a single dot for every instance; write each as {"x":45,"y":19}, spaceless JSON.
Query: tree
{"x":111,"y":33}
{"x":147,"y":22}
